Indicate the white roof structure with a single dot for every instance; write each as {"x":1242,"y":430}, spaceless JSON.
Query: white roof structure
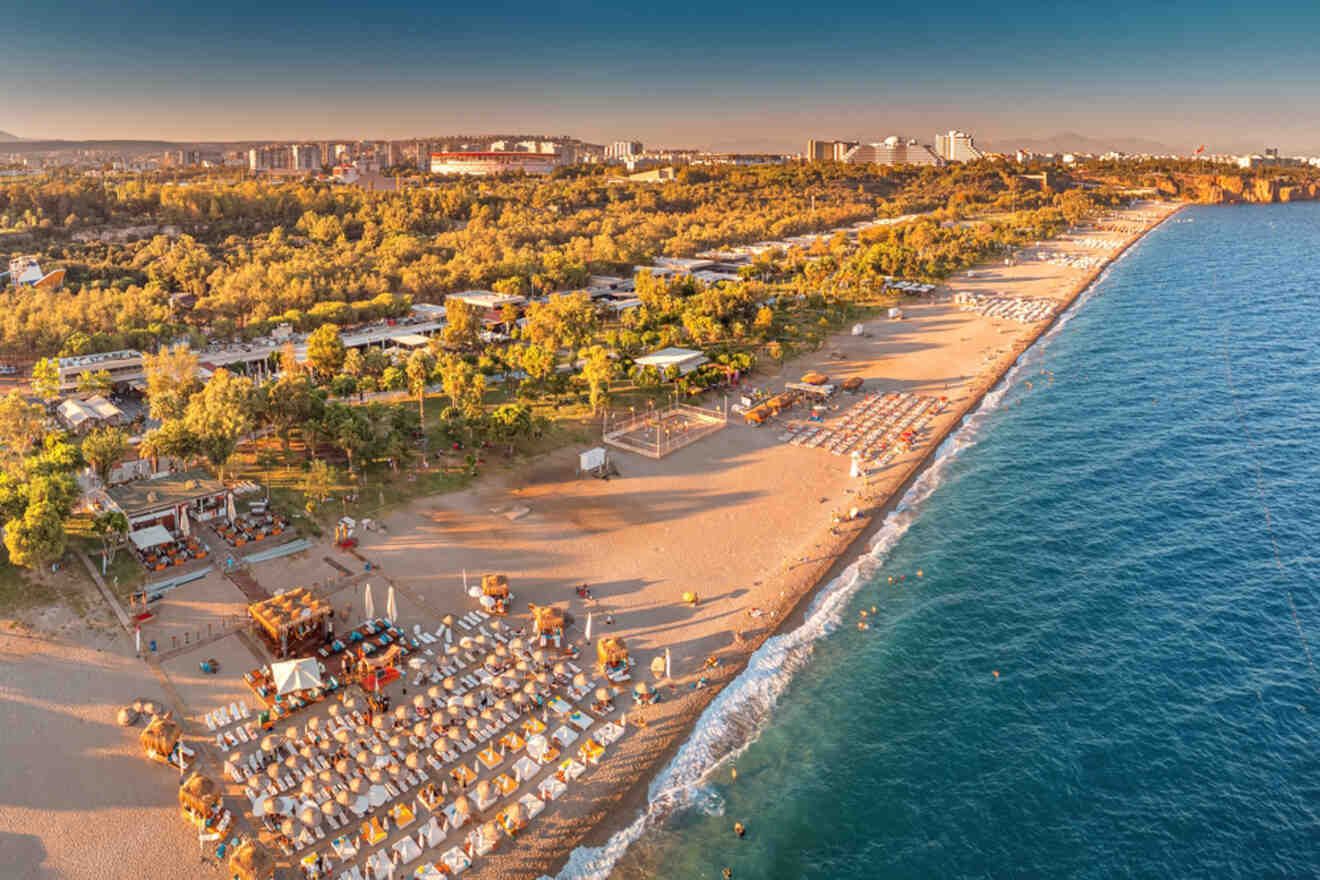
{"x":411,"y":340}
{"x":296,"y":675}
{"x":151,"y":536}
{"x":102,"y":408}
{"x":487,"y":299}
{"x":74,"y":413}
{"x":686,"y":359}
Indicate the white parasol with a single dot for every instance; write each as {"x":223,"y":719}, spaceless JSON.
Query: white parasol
{"x":369,"y":604}
{"x":391,"y":610}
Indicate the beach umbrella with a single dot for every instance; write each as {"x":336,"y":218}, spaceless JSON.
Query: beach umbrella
{"x":668,"y":673}
{"x":307,"y":752}
{"x":314,"y":724}
{"x":289,"y":828}
{"x":273,"y":770}
{"x":441,"y":746}
{"x":375,"y":776}
{"x":472,"y":724}
{"x":519,"y":699}
{"x":271,"y":742}
{"x":501,"y":706}
{"x":402,"y":713}
{"x":328,"y":808}
{"x":560,"y":669}
{"x":434,"y":692}
{"x":391,"y":610}
{"x":230,"y":513}
{"x":380,"y":722}
{"x":603,"y":695}
{"x":334,"y":710}
{"x":447,"y":620}
{"x":539,"y":655}
{"x":342,"y":736}
{"x":465,"y":643}
{"x":529,"y":688}
{"x":450,"y":684}
{"x":542,"y":678}
{"x":379,"y":750}
{"x":480,"y":639}
{"x":362,"y":731}
{"x":461,"y":805}
{"x":579,"y":681}
{"x":254,"y":782}
{"x":342,"y":797}
{"x":483,"y":791}
{"x":369,"y":603}
{"x":501,"y":651}
{"x":396,"y":742}
{"x":413,"y":761}
{"x":350,"y":704}
{"x":344,"y":767}
{"x":395,"y":769}
{"x":454,"y":733}
{"x":523,"y":668}
{"x":516,"y":644}
{"x":308,"y":786}
{"x":357,"y":785}
{"x":487,"y":715}
{"x":325,"y":777}
{"x":420,"y":729}
{"x":469,"y":701}
{"x":291,"y":732}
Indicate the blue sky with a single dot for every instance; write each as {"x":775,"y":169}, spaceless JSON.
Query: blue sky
{"x":700,"y":74}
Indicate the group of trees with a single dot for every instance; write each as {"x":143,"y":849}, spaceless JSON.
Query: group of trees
{"x":37,"y":486}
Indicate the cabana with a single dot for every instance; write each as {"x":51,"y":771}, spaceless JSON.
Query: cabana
{"x":160,"y":739}
{"x":296,"y":675}
{"x":199,"y":797}
{"x":548,"y":623}
{"x":294,"y":619}
{"x":495,"y":593}
{"x":814,"y":378}
{"x":251,"y":861}
{"x":612,"y":654}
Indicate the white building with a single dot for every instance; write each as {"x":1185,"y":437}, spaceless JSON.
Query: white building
{"x":491,"y":162}
{"x":957,"y":146}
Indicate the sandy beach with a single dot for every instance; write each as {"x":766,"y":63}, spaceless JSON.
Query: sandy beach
{"x":742,"y":518}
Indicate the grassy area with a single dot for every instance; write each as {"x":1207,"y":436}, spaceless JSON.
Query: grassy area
{"x":123,"y":576}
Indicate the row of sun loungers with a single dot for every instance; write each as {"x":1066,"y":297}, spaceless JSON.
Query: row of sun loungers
{"x":1022,"y":309}
{"x":877,"y":427}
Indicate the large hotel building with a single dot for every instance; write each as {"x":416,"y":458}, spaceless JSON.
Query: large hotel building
{"x":490,"y":163}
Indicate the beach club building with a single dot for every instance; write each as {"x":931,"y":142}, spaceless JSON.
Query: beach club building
{"x":163,"y":500}
{"x":685,"y":359}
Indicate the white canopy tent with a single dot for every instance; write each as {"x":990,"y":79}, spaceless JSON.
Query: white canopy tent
{"x":151,"y":536}
{"x":296,"y":675}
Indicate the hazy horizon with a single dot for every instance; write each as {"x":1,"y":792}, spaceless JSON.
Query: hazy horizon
{"x":1229,"y":77}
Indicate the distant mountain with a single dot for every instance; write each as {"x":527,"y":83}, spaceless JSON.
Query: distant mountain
{"x":6,"y":137}
{"x":1072,"y":142}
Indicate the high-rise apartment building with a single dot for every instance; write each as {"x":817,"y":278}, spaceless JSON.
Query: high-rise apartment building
{"x":394,"y":154}
{"x":623,"y":150}
{"x":957,"y":146}
{"x":306,"y":157}
{"x":826,"y":151}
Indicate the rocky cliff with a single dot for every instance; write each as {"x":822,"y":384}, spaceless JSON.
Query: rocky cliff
{"x":1216,"y":189}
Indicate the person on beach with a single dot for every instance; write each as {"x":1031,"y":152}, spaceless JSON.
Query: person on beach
{"x":739,"y":829}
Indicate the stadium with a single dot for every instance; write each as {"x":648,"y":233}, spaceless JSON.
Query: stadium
{"x":488,"y":163}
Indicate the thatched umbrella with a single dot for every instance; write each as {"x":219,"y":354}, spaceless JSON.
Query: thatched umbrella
{"x":501,"y":651}
{"x":358,"y":785}
{"x":273,"y":770}
{"x":529,"y":688}
{"x":396,"y":742}
{"x":560,"y":669}
{"x":451,"y":650}
{"x":465,"y":643}
{"x":603,"y":695}
{"x":310,"y":817}
{"x":344,"y":767}
{"x":326,"y":777}
{"x":342,"y":736}
{"x":523,"y":668}
{"x":379,"y":749}
{"x":161,"y":736}
{"x":350,"y":704}
{"x":291,"y":732}
{"x":542,"y":678}
{"x":199,"y":794}
{"x":342,"y":797}
{"x":519,"y":699}
{"x":251,"y":861}
{"x":308,"y":752}
{"x":538,"y":656}
{"x":380,"y":722}
{"x":395,"y":769}
{"x":271,"y":741}
{"x":450,"y":684}
{"x":314,"y":724}
{"x":375,"y":776}
{"x":328,"y":808}
{"x":362,"y":731}
{"x":610,"y":651}
{"x":487,"y":715}
{"x":308,"y":786}
{"x":420,"y":729}
{"x":454,"y":733}
{"x":289,"y":827}
{"x":643,"y":689}
{"x":501,"y":705}
{"x":126,"y":716}
{"x":413,"y":761}
{"x":402,"y":713}
{"x":441,"y":746}
{"x":254,"y":782}
{"x":481,"y":639}
{"x":469,"y":701}
{"x":291,"y":762}
{"x":516,"y":644}
{"x":472,"y":724}
{"x":334,"y":710}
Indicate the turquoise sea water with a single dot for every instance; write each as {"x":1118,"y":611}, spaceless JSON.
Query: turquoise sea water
{"x":1099,"y":538}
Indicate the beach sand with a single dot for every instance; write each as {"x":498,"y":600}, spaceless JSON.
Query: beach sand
{"x":739,"y":517}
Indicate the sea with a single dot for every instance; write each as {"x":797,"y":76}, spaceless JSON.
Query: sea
{"x":1090,"y":625}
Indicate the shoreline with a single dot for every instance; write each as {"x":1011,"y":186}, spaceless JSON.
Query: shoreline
{"x":854,"y":544}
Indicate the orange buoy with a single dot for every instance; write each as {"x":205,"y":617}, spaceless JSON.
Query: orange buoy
{"x":996,"y":673}
{"x":918,"y":572}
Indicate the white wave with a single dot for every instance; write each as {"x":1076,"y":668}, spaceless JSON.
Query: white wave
{"x":734,"y":719}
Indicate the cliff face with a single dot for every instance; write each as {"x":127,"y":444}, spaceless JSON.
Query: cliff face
{"x":1218,"y":189}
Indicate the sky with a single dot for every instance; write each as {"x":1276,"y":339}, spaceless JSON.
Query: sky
{"x":1230,"y":75}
